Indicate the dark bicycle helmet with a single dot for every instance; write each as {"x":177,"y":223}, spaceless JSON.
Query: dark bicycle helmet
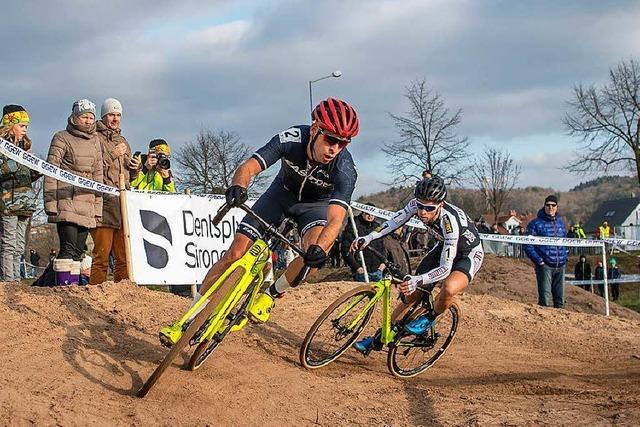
{"x":337,"y":118}
{"x":431,"y":189}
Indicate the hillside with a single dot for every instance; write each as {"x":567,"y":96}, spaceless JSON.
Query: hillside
{"x":576,"y":204}
{"x":76,"y":356}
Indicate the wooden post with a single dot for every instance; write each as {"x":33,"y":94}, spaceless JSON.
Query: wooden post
{"x":125,"y":225}
{"x":194,"y":287}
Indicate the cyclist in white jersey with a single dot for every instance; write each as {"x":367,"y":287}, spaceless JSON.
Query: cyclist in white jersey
{"x":454,"y":260}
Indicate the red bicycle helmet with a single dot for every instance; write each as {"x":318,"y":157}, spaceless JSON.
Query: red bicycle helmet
{"x":337,"y":118}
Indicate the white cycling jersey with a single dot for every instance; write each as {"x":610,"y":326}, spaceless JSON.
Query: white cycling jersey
{"x":457,"y":234}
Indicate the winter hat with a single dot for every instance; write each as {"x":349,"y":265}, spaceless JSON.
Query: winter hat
{"x":14,"y":114}
{"x":613,"y":261}
{"x":110,"y":105}
{"x":159,"y":146}
{"x":552,"y":198}
{"x":83,"y":106}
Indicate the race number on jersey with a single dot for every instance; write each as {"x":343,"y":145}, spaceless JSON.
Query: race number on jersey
{"x":291,"y":135}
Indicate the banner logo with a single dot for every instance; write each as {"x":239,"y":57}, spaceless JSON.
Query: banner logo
{"x":157,"y":255}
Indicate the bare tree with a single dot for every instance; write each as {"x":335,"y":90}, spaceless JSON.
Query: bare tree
{"x":428,"y":139}
{"x":496,"y":174}
{"x":607,"y":119}
{"x":207,"y":164}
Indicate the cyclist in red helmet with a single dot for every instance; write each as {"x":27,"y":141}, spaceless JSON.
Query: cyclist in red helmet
{"x":313,"y":187}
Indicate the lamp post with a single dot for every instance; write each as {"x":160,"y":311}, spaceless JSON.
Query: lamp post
{"x":335,"y":74}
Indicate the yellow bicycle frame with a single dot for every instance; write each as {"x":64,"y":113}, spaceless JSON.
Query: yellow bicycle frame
{"x":252,"y":263}
{"x":383,"y":290}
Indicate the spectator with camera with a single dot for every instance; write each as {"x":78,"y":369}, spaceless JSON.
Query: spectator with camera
{"x":108,"y":236}
{"x":152,"y":171}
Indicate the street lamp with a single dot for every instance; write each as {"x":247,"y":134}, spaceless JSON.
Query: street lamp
{"x":335,"y":74}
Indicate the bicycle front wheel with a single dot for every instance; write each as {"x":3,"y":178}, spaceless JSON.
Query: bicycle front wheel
{"x":236,"y":315}
{"x":336,"y":328}
{"x":411,"y":355}
{"x":193,"y":328}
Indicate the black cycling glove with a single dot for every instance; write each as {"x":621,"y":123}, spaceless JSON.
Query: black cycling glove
{"x":315,"y":257}
{"x":236,"y":195}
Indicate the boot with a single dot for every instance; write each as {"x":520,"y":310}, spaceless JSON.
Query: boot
{"x":62,"y":268}
{"x":74,"y":276}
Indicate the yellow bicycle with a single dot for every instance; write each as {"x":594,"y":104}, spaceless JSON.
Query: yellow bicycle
{"x":230,"y":298}
{"x":340,"y":325}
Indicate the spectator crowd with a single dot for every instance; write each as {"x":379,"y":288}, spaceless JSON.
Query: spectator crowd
{"x":91,"y":148}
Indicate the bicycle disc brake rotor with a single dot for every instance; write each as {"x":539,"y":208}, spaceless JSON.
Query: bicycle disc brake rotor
{"x":341,"y":331}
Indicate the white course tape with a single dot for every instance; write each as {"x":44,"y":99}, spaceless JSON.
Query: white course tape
{"x":621,"y":242}
{"x":32,"y":162}
{"x":625,"y":278}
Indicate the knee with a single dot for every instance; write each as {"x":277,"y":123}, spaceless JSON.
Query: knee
{"x":233,"y":254}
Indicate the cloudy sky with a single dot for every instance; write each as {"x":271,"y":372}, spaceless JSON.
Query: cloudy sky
{"x":245,"y":66}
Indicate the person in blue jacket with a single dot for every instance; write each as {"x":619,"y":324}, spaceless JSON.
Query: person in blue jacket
{"x":549,"y":261}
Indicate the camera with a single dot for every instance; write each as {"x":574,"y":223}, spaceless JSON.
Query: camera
{"x":163,"y":161}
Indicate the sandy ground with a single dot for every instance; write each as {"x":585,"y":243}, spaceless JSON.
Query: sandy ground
{"x":76,"y":357}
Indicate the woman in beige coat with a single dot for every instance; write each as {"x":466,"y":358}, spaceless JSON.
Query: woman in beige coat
{"x":74,"y":209}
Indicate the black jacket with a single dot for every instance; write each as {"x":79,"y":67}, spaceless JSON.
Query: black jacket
{"x":396,"y":251}
{"x":353,"y":260}
{"x":582,"y":271}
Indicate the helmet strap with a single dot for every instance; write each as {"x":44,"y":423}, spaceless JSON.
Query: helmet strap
{"x":311,"y":146}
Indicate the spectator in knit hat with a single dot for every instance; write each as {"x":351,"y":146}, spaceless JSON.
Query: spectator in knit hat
{"x":549,"y":261}
{"x":108,"y":236}
{"x":73,"y":209}
{"x":17,"y":198}
{"x":152,"y":171}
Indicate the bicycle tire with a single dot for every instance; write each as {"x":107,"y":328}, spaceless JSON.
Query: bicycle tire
{"x":405,"y":344}
{"x":307,"y":350}
{"x":197,"y":322}
{"x":206,"y":348}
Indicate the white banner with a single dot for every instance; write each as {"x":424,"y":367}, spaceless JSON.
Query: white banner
{"x":32,"y":162}
{"x":172,"y":236}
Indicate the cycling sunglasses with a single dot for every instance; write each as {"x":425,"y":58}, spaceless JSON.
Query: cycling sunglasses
{"x":334,"y":140}
{"x":425,"y":207}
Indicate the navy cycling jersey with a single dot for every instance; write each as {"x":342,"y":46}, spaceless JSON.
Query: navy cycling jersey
{"x":308,"y":180}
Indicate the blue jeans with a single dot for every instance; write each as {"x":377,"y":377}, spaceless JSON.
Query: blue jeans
{"x":550,"y":281}
{"x":374,"y":276}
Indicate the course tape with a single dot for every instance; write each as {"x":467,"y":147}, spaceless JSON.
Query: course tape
{"x":32,"y":162}
{"x":625,"y":278}
{"x":506,"y":238}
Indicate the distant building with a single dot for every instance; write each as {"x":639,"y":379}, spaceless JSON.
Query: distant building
{"x":623,"y":215}
{"x":507,"y":222}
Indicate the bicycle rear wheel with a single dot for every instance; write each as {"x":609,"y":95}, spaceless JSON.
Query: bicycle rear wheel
{"x":411,"y":355}
{"x":331,"y":335}
{"x":193,"y":328}
{"x":235,"y":316}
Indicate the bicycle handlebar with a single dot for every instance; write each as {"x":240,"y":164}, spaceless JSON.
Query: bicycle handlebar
{"x":394,"y":269}
{"x":269,"y":229}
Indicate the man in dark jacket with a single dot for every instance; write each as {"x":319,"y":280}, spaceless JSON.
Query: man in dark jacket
{"x":582,"y":271}
{"x":599,"y":276}
{"x":613,"y":272}
{"x":34,"y":260}
{"x":549,"y":261}
{"x":365,"y":223}
{"x":395,"y":250}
